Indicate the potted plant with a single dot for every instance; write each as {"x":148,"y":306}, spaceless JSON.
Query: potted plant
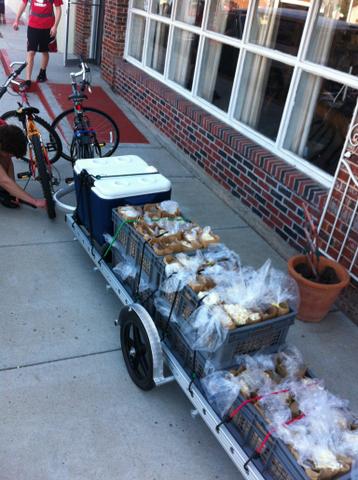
{"x":319,"y":279}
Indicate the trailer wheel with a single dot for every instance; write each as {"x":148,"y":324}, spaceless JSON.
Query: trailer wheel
{"x":136,"y":349}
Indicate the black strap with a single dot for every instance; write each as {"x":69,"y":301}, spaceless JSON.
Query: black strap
{"x":86,"y":182}
{"x":253,"y":456}
{"x":136,"y":290}
{"x":99,"y":177}
{"x":165,"y":331}
{"x":193,"y":375}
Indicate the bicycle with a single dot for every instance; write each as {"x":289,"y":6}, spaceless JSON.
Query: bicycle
{"x":86,"y":131}
{"x":39,"y":162}
{"x":50,"y":138}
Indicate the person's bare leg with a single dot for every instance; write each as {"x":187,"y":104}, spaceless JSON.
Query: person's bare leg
{"x":45,"y":60}
{"x":30,"y":65}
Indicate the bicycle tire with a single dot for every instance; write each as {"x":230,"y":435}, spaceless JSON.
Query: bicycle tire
{"x":52,"y":139}
{"x":45,"y":178}
{"x":66,"y":131}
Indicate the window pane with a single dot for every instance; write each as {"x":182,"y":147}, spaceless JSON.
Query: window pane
{"x":157,"y":47}
{"x":227,"y":17}
{"x":263,"y":93}
{"x":142,"y":4}
{"x":190,"y":11}
{"x":217,"y":73}
{"x":162,"y":7}
{"x":183,"y":57}
{"x":335,"y":36}
{"x":320,"y":121}
{"x":279,"y":25}
{"x":137,"y":37}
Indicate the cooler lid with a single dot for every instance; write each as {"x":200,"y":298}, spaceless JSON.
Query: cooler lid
{"x":125,"y":164}
{"x":116,"y":188}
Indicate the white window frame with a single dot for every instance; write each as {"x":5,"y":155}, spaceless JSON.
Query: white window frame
{"x":298,"y":63}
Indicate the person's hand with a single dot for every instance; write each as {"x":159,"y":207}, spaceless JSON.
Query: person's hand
{"x":53,"y":32}
{"x":40,"y":203}
{"x":15,"y":25}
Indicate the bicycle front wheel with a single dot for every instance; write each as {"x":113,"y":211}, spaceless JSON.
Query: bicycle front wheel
{"x":44,"y":175}
{"x":105,"y":130}
{"x":49,"y":136}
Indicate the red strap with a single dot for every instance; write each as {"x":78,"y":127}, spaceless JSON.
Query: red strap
{"x":254,"y":399}
{"x":268,"y":435}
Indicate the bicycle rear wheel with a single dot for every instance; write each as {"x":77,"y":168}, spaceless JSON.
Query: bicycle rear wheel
{"x":79,"y":149}
{"x":105,"y":130}
{"x":45,"y":176}
{"x":49,"y":136}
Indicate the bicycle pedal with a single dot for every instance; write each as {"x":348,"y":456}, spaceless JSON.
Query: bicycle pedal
{"x":102,"y":144}
{"x":23,"y":175}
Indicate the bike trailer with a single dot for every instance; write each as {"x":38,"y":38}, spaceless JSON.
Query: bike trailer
{"x":102,"y":184}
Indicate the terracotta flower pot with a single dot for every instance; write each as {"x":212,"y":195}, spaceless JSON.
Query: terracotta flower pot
{"x":316,"y":299}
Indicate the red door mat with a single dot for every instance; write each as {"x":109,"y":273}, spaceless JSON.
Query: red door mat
{"x":99,"y":99}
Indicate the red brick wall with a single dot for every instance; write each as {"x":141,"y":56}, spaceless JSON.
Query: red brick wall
{"x":114,"y":30}
{"x":271,"y":188}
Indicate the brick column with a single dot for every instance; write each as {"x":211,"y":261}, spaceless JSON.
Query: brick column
{"x":83,"y":14}
{"x":114,"y":31}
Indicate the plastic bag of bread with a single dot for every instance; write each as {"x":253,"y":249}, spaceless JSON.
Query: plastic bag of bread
{"x":130,"y":212}
{"x":207,"y":328}
{"x":169,"y":208}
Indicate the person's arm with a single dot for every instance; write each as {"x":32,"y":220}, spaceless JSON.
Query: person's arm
{"x":58,"y":14}
{"x":20,"y":11}
{"x":12,"y":188}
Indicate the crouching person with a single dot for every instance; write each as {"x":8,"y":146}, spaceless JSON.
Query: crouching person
{"x":13,"y":143}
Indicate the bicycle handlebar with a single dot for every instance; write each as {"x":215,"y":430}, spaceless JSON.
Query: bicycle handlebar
{"x":84,"y":73}
{"x":12,"y":76}
{"x":20,"y":69}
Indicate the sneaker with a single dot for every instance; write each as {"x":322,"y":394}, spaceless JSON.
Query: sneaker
{"x":42,"y":76}
{"x":25,"y":85}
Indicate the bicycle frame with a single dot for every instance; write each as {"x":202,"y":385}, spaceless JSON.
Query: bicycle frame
{"x":32,"y":131}
{"x":83,"y":134}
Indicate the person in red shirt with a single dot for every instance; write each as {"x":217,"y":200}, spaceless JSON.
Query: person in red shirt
{"x":45,"y":15}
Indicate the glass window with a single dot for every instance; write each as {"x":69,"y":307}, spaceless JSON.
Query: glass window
{"x":142,"y":4}
{"x":190,"y":11}
{"x":279,"y":25}
{"x":217,"y":73}
{"x":137,"y":37}
{"x":183,"y":57}
{"x":227,"y":17}
{"x":335,"y":37}
{"x":162,"y":7}
{"x":318,"y":111}
{"x":262,"y":95}
{"x":320,"y":120}
{"x":157,"y":46}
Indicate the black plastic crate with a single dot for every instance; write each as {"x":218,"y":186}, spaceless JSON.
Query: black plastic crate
{"x":128,"y":237}
{"x":275,"y":462}
{"x":250,"y":429}
{"x":266,"y":336}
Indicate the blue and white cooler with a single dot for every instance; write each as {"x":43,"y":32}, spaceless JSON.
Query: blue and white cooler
{"x":105,"y":183}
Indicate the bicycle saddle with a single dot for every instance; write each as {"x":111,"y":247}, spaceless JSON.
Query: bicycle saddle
{"x":30,"y":110}
{"x":78,"y":96}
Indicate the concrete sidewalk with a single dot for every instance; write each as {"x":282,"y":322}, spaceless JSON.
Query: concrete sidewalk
{"x":69,"y":409}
